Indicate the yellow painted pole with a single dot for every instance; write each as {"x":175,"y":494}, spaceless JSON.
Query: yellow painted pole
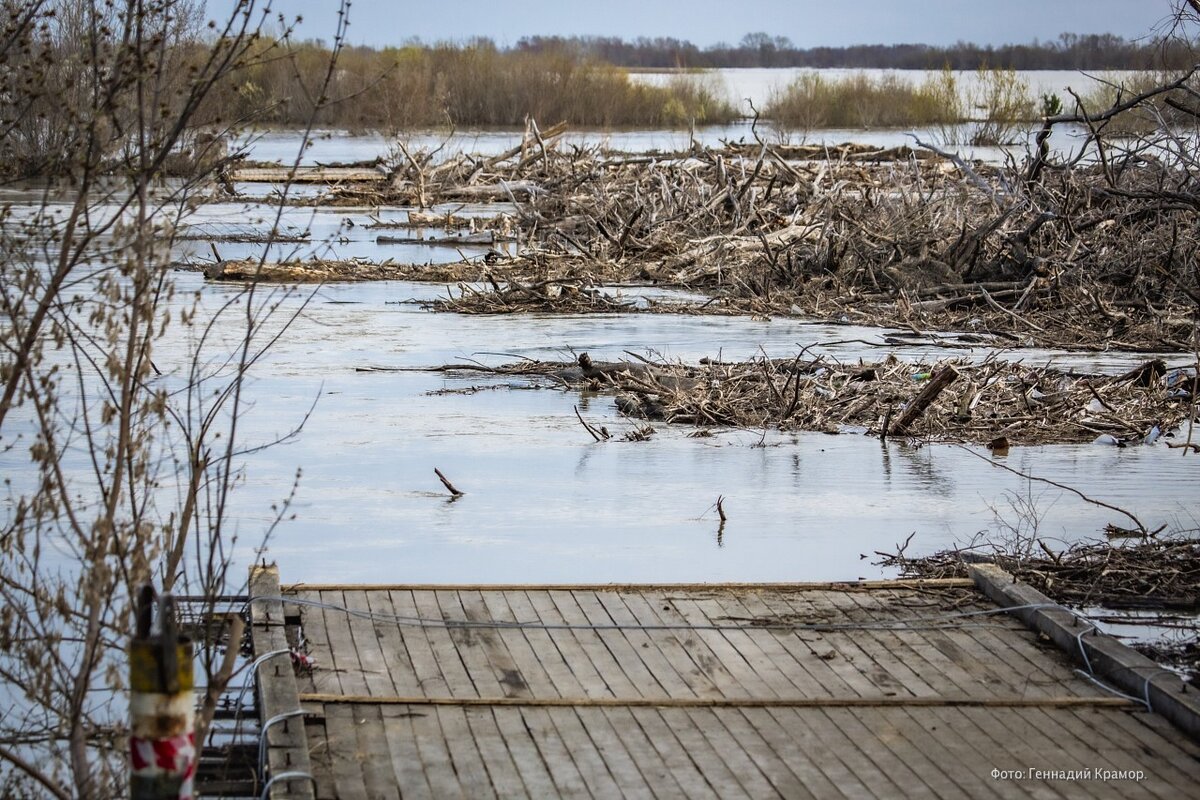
{"x":162,"y":744}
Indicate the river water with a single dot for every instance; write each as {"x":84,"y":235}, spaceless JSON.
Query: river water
{"x":737,"y":85}
{"x":544,"y":502}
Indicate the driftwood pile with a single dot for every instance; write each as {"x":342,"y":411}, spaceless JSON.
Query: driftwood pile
{"x":995,"y":402}
{"x":577,"y":296}
{"x":1064,"y":255}
{"x":1155,"y":572}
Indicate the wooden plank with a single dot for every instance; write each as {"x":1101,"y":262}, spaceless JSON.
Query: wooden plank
{"x":582,"y":607}
{"x":1171,"y":761}
{"x":364,"y":638}
{"x":774,"y":767}
{"x":752,"y":781}
{"x":405,"y":756}
{"x":745,"y":682}
{"x":589,"y":759}
{"x":1108,"y":658}
{"x":345,"y":762}
{"x":374,"y":754}
{"x":437,"y":676}
{"x":807,"y":670}
{"x":559,"y":652}
{"x":557,"y":758}
{"x":514,"y":678}
{"x":1054,"y":745}
{"x":394,"y":645}
{"x":896,"y":645}
{"x":497,"y":759}
{"x":831,"y":652}
{"x":946,"y":678}
{"x":766,"y":655}
{"x":445,"y":653}
{"x":318,"y":752}
{"x":894,"y":771}
{"x":606,"y":740}
{"x":847,"y":766}
{"x":845,"y":586}
{"x":526,"y":755}
{"x":671,"y":673}
{"x":315,"y":644}
{"x":889,"y":644}
{"x":341,"y":644}
{"x":808,"y":757}
{"x":879,"y":701}
{"x":467,"y":671}
{"x":434,"y":753}
{"x":469,"y":643}
{"x":663,"y":765}
{"x":894,"y":665}
{"x":704,"y":755}
{"x":703,"y":669}
{"x":430,"y":680}
{"x":972,"y":754}
{"x":923,"y":751}
{"x":465,"y":754}
{"x":585,"y":651}
{"x":287,"y":743}
{"x":588,"y":657}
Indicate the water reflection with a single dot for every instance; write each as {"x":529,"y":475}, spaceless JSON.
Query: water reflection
{"x":545,"y":502}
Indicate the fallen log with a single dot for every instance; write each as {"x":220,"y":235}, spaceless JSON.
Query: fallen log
{"x":946,"y":376}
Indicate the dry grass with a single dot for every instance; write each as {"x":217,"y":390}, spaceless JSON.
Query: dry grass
{"x":996,"y":107}
{"x":1113,"y":88}
{"x":858,"y":101}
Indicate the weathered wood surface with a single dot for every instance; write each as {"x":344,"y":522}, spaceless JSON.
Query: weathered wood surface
{"x":700,"y":691}
{"x":287,"y":745}
{"x":306,"y":175}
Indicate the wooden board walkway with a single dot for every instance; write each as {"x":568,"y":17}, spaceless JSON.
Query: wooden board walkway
{"x":889,"y":689}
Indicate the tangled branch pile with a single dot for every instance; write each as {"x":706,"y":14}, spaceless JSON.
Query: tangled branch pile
{"x":1097,"y":253}
{"x":1160,"y":573}
{"x":996,"y":402}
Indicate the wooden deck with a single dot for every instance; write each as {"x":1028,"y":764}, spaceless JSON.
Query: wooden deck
{"x":751,"y":691}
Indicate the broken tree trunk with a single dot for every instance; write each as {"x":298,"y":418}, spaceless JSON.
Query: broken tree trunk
{"x":916,"y":408}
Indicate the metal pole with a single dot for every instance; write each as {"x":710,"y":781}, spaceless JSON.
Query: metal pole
{"x":162,"y":742}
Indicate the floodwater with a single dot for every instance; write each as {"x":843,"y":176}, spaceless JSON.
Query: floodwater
{"x":758,"y":84}
{"x":543,"y":501}
{"x":737,"y":85}
{"x":332,"y":146}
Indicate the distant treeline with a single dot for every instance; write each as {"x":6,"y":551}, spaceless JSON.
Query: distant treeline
{"x":1068,"y":51}
{"x":403,"y":88}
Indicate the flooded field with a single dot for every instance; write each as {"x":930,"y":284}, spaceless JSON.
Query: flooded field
{"x":337,"y":146}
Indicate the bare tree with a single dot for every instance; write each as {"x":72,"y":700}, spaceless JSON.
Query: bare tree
{"x":118,"y":466}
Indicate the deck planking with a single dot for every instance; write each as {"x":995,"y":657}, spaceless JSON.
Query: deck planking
{"x":671,"y":691}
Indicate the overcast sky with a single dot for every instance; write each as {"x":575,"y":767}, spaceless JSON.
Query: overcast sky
{"x":805,"y":22}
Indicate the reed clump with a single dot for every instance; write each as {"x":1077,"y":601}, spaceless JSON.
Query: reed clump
{"x":1114,"y":88}
{"x":991,"y":110}
{"x":859,"y":100}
